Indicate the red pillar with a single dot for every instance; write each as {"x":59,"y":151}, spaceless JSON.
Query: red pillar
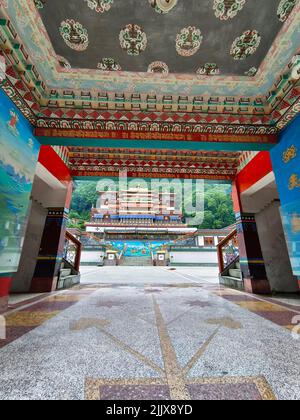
{"x":5,"y":283}
{"x":251,"y":258}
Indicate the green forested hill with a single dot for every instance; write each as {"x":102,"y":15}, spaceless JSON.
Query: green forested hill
{"x":218,"y":208}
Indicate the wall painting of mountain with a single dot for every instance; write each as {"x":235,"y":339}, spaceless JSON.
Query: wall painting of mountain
{"x":18,"y":157}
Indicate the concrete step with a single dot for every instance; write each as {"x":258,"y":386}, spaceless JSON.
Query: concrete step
{"x":232,"y":282}
{"x":67,"y":282}
{"x":65,"y":272}
{"x":136,"y":262}
{"x":235,"y":272}
{"x":238,"y":265}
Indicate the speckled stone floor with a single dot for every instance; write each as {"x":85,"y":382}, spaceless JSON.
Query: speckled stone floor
{"x":151,"y":333}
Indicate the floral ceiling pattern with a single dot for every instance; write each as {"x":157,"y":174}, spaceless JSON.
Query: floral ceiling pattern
{"x":100,"y":6}
{"x":154,"y":65}
{"x":133,"y":39}
{"x":74,"y":35}
{"x":163,"y":6}
{"x":284,"y":9}
{"x":228,"y":9}
{"x":245,"y":45}
{"x":207,"y":37}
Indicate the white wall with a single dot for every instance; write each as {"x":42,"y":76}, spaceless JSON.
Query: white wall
{"x":187,"y":257}
{"x":200,"y":240}
{"x":91,"y":256}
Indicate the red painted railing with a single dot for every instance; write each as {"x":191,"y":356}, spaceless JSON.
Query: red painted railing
{"x":73,"y":248}
{"x":94,"y":237}
{"x":227,"y":251}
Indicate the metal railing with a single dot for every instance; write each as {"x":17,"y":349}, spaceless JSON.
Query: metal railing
{"x":228,"y":251}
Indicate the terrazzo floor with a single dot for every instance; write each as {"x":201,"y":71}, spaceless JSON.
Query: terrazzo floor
{"x":151,"y":333}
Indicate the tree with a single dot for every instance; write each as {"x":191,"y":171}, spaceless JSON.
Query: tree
{"x":218,"y":207}
{"x":85,"y":196}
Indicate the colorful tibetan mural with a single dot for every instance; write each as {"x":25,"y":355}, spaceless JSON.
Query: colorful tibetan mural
{"x":137,"y":248}
{"x":291,"y":222}
{"x":18,"y":156}
{"x":286,"y":164}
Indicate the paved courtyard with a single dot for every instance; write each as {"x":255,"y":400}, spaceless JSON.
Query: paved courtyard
{"x":150,"y":333}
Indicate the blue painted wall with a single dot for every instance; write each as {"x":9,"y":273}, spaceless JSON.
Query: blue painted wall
{"x":137,"y":248}
{"x":18,"y":157}
{"x":286,"y":164}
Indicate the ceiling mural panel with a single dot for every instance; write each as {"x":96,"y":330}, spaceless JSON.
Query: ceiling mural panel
{"x":173,"y":35}
{"x":221,"y":64}
{"x":281,"y":33}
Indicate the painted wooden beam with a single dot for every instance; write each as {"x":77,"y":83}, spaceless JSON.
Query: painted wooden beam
{"x":155,"y":144}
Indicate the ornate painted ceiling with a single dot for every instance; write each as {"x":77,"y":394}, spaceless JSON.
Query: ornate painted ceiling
{"x":228,"y":37}
{"x":223,"y":39}
{"x":140,"y":163}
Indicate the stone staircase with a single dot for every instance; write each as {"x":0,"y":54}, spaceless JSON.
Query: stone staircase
{"x":66,"y":278}
{"x":137,"y":261}
{"x":234,"y":277}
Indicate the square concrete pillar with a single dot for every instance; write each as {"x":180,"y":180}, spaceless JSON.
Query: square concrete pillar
{"x":112,"y":258}
{"x":161,"y":258}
